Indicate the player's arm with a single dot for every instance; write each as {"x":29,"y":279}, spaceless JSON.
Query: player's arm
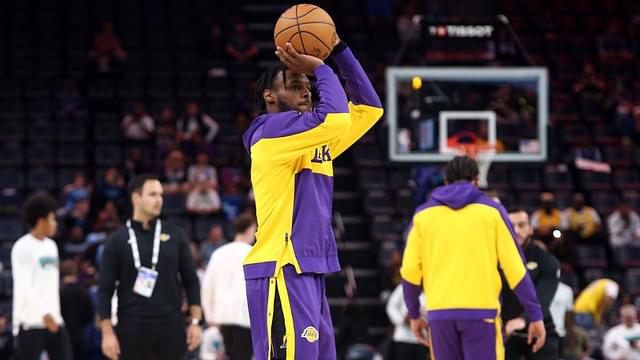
{"x":364,"y":104}
{"x":395,"y":306}
{"x":292,"y":134}
{"x":511,"y":261}
{"x":411,"y":271}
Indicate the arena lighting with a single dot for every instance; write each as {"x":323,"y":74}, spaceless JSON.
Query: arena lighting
{"x":557,"y":234}
{"x":416,"y":83}
{"x":461,"y":31}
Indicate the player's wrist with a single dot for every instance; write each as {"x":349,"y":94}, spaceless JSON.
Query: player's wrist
{"x":338,"y":48}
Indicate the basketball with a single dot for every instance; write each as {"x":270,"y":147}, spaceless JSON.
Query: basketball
{"x":308,"y":28}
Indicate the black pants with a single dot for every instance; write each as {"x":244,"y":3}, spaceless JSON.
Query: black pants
{"x":516,"y":348}
{"x":237,"y":342}
{"x":158,"y":342}
{"x":31,"y":343}
{"x":406,"y":351}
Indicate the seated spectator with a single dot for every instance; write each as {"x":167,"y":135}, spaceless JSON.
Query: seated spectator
{"x":407,"y":25}
{"x":590,"y":81}
{"x":624,"y":230}
{"x":613,"y":45}
{"x":202,"y":199}
{"x":548,"y":218}
{"x":78,"y":218}
{"x":174,"y":176}
{"x":594,"y":301}
{"x":576,"y":344}
{"x":215,"y":51}
{"x":76,"y":191}
{"x":583,"y":220}
{"x":196,"y":130}
{"x":76,"y":307}
{"x":214,"y":240}
{"x":622,"y":342}
{"x":6,"y":337}
{"x":166,"y":134}
{"x":241,"y":46}
{"x":69,"y":104}
{"x":110,"y":188}
{"x":108,"y":53}
{"x":134,"y":164}
{"x":233,"y":200}
{"x":203,"y":168}
{"x":138,"y":125}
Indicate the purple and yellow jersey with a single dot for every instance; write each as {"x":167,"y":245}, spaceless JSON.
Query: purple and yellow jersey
{"x":455,"y":245}
{"x":292,"y":171}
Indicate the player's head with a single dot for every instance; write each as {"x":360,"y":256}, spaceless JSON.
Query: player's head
{"x":280,"y":89}
{"x":146,"y":195}
{"x":521,"y":224}
{"x":39,"y":212}
{"x":462,"y":169}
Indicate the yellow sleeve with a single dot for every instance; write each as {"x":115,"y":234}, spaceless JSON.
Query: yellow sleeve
{"x":363,"y":117}
{"x":411,"y":270}
{"x":509,"y":255}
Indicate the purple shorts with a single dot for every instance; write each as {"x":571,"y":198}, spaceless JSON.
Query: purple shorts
{"x":467,"y":339}
{"x":308,"y":329}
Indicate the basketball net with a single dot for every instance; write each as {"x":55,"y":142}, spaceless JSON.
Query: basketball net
{"x":483,"y":154}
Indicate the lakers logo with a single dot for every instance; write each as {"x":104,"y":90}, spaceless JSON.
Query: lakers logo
{"x":310,"y":334}
{"x":532,"y":265}
{"x":165,"y":237}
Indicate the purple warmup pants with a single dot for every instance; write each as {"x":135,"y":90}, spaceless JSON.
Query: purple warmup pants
{"x":298,"y":301}
{"x":466,"y":339}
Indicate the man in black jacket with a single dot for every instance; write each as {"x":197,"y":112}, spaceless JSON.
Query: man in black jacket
{"x":544,"y":270}
{"x":148,"y":262}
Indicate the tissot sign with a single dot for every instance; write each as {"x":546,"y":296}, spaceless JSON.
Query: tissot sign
{"x":461,"y":31}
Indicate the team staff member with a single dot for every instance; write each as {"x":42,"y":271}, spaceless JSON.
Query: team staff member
{"x":456,"y":243}
{"x":544,"y":270}
{"x":147,"y":262}
{"x":594,"y":301}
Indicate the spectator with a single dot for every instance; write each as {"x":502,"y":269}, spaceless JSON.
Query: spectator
{"x":215,"y":239}
{"x":548,"y":218}
{"x":561,"y":304}
{"x":405,"y":345}
{"x":174,"y":177}
{"x":111,"y":188}
{"x":612,"y":45}
{"x":576,"y":342}
{"x":36,"y":286}
{"x":70,"y":105}
{"x":594,"y":301}
{"x":166,"y":134}
{"x":624,"y":230}
{"x":202,"y":199}
{"x":108,"y":53}
{"x":407,"y":24}
{"x":622,"y":342}
{"x":202,"y":167}
{"x":224,"y":299}
{"x":583,"y":220}
{"x":196,"y":130}
{"x":241,"y":47}
{"x":6,"y":337}
{"x":233,"y":200}
{"x":590,"y":81}
{"x":135,"y":164}
{"x":77,"y":218}
{"x":76,"y":191}
{"x":138,"y":125}
{"x":77,"y":310}
{"x":215,"y":51}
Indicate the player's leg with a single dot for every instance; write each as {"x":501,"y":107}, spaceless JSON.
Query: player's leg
{"x":327,"y":334}
{"x":59,"y":346}
{"x":549,"y":351}
{"x":31,"y":343}
{"x":445,"y":340}
{"x":481,"y":339}
{"x":260,"y":299}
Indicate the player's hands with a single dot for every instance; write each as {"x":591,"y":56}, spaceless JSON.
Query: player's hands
{"x":420,"y":330}
{"x":297,"y":62}
{"x":537,"y":331}
{"x":110,"y":346}
{"x":50,"y":324}
{"x":194,"y":336}
{"x":337,"y":40}
{"x":514,"y":324}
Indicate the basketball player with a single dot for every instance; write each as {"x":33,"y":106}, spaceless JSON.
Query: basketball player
{"x":456,"y":243}
{"x":292,"y":146}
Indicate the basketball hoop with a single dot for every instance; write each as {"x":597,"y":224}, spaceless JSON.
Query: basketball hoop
{"x":483,"y":154}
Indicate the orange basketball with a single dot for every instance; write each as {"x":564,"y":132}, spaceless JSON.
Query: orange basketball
{"x":308,"y":28}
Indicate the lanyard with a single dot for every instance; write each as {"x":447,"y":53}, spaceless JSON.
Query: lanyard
{"x":133,"y":241}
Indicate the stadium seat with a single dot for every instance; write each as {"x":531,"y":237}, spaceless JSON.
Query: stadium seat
{"x":526,"y":178}
{"x":131,"y":89}
{"x":40,"y":154}
{"x":71,"y":154}
{"x":174,"y":204}
{"x":405,"y":201}
{"x":41,"y":178}
{"x":378,"y":202}
{"x":10,"y":229}
{"x":11,"y":153}
{"x":71,"y":131}
{"x":498,"y":177}
{"x":627,"y":179}
{"x":107,"y":131}
{"x":618,"y":156}
{"x":108,"y":155}
{"x":605,"y":201}
{"x":202,"y":225}
{"x":557,"y":178}
{"x":595,"y":180}
{"x":591,"y":256}
{"x":11,"y":178}
{"x":367,"y":155}
{"x":42,"y":130}
{"x":385,"y":227}
{"x":37,"y":88}
{"x":372,"y":178}
{"x":12,"y":130}
{"x":184,"y":222}
{"x":632,"y":280}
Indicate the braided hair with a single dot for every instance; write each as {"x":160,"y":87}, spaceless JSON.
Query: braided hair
{"x":462,"y":168}
{"x":265,"y":81}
